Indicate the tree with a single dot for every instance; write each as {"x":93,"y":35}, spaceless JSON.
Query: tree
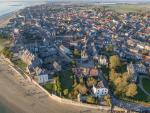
{"x":65,"y":92}
{"x":113,"y":75}
{"x":91,"y":81}
{"x":90,"y":100}
{"x":109,"y":48}
{"x":81,"y":89}
{"x":114,"y":61}
{"x":7,"y":52}
{"x":126,"y":76}
{"x":57,"y":85}
{"x":131,"y":90}
{"x":108,"y":100}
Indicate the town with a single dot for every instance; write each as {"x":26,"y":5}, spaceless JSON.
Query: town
{"x":87,"y":54}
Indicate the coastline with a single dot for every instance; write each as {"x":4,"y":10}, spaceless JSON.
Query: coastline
{"x":4,"y":19}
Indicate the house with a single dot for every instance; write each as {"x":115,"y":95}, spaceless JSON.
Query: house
{"x":27,"y":57}
{"x":99,"y":91}
{"x":141,"y":69}
{"x":132,"y":72}
{"x":84,"y":56}
{"x":65,"y":50}
{"x":85,"y":72}
{"x":102,"y":60}
{"x":42,"y":76}
{"x":57,"y":66}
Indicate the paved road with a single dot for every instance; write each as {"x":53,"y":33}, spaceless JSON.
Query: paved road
{"x":23,"y":96}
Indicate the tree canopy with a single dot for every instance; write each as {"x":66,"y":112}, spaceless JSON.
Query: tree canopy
{"x":114,"y":61}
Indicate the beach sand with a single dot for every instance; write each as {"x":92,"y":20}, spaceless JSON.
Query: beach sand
{"x":4,"y":20}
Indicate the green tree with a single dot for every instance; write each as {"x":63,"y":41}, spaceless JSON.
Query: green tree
{"x":108,"y":100}
{"x":57,"y":85}
{"x":91,"y":81}
{"x":113,"y":75}
{"x":65,"y":92}
{"x":81,"y":89}
{"x":90,"y":100}
{"x":114,"y":61}
{"x":7,"y":52}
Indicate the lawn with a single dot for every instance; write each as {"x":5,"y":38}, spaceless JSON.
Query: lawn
{"x":66,"y":79}
{"x":129,"y":7}
{"x":146,"y":84}
{"x":141,"y":96}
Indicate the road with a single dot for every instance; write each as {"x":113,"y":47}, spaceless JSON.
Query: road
{"x":22,"y":96}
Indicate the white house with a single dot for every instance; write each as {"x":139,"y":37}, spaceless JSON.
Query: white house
{"x":99,"y":92}
{"x":102,"y":60}
{"x":57,"y":66}
{"x":43,"y":78}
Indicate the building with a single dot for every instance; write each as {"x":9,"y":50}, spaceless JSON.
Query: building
{"x":84,"y":56}
{"x":132,"y":72}
{"x":102,"y":60}
{"x":99,"y":91}
{"x":65,"y":50}
{"x":57,"y":66}
{"x":42,"y":76}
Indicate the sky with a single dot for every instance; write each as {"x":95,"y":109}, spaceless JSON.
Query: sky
{"x":76,"y":0}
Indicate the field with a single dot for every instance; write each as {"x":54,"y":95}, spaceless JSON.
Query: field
{"x":66,"y":78}
{"x":146,"y":84}
{"x":129,"y":7}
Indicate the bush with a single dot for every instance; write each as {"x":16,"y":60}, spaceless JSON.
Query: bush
{"x":90,"y":100}
{"x":65,"y":92}
{"x":7,"y":52}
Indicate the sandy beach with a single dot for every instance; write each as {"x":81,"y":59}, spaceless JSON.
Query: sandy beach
{"x":22,"y":96}
{"x":4,"y":20}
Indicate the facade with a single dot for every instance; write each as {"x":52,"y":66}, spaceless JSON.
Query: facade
{"x":43,"y":78}
{"x":132,"y":72}
{"x":99,"y":92}
{"x":57,"y":66}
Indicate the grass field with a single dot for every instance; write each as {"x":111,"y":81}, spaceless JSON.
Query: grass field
{"x":146,"y":84}
{"x":141,"y":96}
{"x":129,"y":7}
{"x":66,"y":78}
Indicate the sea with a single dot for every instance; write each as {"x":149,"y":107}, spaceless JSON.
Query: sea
{"x":9,"y":6}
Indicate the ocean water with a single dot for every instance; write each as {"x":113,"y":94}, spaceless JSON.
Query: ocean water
{"x":8,"y":6}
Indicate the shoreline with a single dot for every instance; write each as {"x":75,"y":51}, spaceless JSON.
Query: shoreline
{"x":4,"y":19}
